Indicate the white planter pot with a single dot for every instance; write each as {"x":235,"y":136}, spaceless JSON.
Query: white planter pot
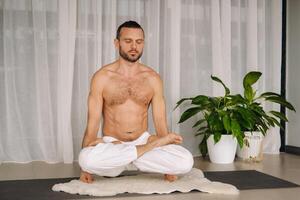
{"x":222,"y":152}
{"x":254,"y":150}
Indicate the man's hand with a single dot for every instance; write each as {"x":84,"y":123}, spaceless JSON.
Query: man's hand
{"x":170,"y":138}
{"x":86,"y":177}
{"x":176,"y":138}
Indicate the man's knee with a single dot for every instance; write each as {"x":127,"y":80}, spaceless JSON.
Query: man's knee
{"x":106,"y":157}
{"x":86,"y":164}
{"x":186,"y":163}
{"x":83,"y":159}
{"x":184,"y":160}
{"x":169,"y":159}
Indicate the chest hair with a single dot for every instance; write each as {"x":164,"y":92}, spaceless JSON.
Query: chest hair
{"x":119,"y":91}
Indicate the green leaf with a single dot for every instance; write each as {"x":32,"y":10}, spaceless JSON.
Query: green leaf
{"x":214,"y":122}
{"x":199,"y":122}
{"x":277,"y":122}
{"x":202,"y":128}
{"x":181,"y":101}
{"x":235,"y":99}
{"x":246,"y":119}
{"x":257,"y":109}
{"x":206,"y":132}
{"x":245,"y":125}
{"x":251,"y":78}
{"x":217,"y":137}
{"x":189,"y":113}
{"x":240,"y":139}
{"x":262,"y":131}
{"x":214,"y":101}
{"x":227,"y":91}
{"x":267,"y":94}
{"x":246,"y":114}
{"x":235,"y":127}
{"x":279,"y":115}
{"x":261,"y":125}
{"x":281,"y":101}
{"x":248,"y":93}
{"x":269,"y":120}
{"x":200,"y":100}
{"x":203,"y":146}
{"x":200,"y":133}
{"x":226,"y":123}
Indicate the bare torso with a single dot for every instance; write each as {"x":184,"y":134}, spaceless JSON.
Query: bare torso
{"x":125,"y":103}
{"x":121,"y":92}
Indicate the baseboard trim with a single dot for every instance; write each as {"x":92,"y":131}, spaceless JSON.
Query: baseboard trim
{"x":292,"y":149}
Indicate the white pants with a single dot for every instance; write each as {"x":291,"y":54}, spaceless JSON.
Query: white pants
{"x":108,"y":159}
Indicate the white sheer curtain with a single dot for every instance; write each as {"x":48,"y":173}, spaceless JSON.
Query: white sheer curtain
{"x":50,"y":49}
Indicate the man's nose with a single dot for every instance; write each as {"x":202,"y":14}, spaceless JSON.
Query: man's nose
{"x":133,"y":45}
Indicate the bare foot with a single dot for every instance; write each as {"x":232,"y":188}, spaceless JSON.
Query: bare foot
{"x":86,"y":177}
{"x":170,"y":178}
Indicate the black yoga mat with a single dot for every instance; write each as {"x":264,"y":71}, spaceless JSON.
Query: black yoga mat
{"x":41,"y":188}
{"x":249,"y":179}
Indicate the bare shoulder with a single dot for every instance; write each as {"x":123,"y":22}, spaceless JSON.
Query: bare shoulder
{"x":152,"y":76}
{"x":102,"y":76}
{"x":104,"y":72}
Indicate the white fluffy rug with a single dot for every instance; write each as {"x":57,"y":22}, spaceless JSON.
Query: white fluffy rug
{"x":146,"y":184}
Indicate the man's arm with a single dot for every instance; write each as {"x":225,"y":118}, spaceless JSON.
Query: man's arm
{"x":95,"y":103}
{"x":159,"y":107}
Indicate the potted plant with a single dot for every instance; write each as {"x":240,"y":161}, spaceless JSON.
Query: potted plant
{"x":220,"y":125}
{"x":233,"y":115}
{"x":261,"y":119}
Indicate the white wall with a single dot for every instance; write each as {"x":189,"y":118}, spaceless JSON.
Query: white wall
{"x":293,"y":71}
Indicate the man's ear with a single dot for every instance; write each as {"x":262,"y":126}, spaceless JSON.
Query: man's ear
{"x":117,"y":43}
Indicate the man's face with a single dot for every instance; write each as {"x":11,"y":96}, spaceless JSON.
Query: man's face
{"x":131,"y":44}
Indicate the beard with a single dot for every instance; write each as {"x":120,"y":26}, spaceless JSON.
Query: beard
{"x":128,"y":57}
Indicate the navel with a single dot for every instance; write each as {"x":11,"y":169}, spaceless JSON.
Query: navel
{"x":129,"y":91}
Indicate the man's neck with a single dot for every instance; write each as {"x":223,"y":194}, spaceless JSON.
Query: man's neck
{"x":128,"y":68}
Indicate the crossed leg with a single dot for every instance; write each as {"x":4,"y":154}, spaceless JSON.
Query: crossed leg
{"x":186,"y":156}
{"x":157,"y":155}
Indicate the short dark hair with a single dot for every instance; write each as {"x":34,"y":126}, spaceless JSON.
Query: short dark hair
{"x":128,"y":24}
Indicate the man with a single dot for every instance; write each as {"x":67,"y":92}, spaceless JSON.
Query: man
{"x":122,"y":92}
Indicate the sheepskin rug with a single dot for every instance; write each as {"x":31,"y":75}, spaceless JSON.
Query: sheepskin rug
{"x":146,"y":183}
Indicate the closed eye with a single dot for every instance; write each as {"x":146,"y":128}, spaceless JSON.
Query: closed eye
{"x":128,"y":41}
{"x":139,"y":41}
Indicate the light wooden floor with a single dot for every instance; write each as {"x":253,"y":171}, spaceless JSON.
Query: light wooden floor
{"x":285,"y":166}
